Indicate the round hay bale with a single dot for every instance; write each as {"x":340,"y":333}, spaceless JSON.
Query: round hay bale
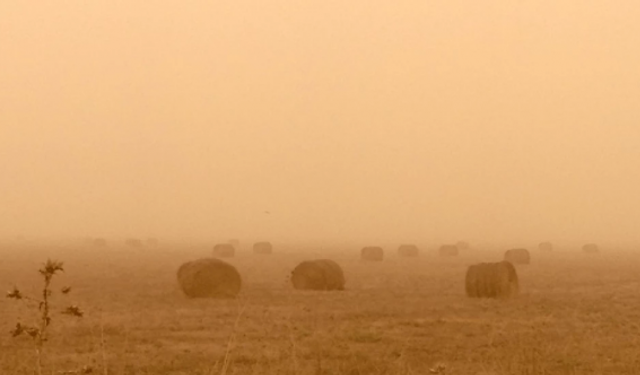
{"x":545,"y":246}
{"x":319,"y":274}
{"x":133,"y":242}
{"x":99,"y":242}
{"x":590,"y":248}
{"x":517,"y":256}
{"x":491,"y":280}
{"x":471,"y":280}
{"x":462,"y":245}
{"x":372,"y":253}
{"x":448,"y":251}
{"x":209,"y":278}
{"x":224,"y":250}
{"x":263,"y":248}
{"x":408,"y":251}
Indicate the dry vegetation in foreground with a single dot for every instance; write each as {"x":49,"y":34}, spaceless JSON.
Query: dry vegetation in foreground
{"x":576,"y":314}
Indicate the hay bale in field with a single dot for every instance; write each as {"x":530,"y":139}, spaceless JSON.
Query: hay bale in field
{"x":133,"y":242}
{"x":462,"y":245}
{"x":372,"y":253}
{"x":319,"y":274}
{"x":263,"y":248}
{"x":224,"y":250}
{"x":408,"y":251}
{"x":545,"y":246}
{"x":99,"y":242}
{"x":471,"y":281}
{"x":590,"y":248}
{"x":517,"y":256}
{"x":212,"y":278}
{"x":448,"y":251}
{"x":491,"y":280}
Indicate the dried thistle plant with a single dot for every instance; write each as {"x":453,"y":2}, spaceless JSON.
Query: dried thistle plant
{"x":38,"y":331}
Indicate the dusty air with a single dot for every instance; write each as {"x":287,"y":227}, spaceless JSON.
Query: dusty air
{"x":355,"y":187}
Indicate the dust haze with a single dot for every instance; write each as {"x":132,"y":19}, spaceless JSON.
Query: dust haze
{"x":359,"y":120}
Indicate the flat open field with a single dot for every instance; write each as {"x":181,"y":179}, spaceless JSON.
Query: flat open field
{"x":576,"y":314}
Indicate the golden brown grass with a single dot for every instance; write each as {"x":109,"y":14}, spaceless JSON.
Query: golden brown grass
{"x":575,"y":314}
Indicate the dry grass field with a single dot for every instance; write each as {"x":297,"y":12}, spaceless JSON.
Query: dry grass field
{"x":576,"y":314}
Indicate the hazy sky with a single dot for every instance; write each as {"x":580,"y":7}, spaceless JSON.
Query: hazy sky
{"x":407,"y":121}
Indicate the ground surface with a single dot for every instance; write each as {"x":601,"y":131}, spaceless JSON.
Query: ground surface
{"x":576,"y":314}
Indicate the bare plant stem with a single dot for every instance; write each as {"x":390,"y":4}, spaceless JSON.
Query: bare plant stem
{"x":231,"y":342}
{"x":39,"y":360}
{"x":105,"y":368}
{"x":44,"y":322}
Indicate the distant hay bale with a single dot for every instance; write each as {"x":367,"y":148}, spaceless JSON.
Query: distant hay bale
{"x":545,"y":246}
{"x":517,"y":256}
{"x":320,"y":274}
{"x":590,"y":248}
{"x":152,"y":241}
{"x":408,"y":251}
{"x":462,"y":245}
{"x":133,"y":242}
{"x":224,"y":250}
{"x":99,"y":242}
{"x":263,"y":248}
{"x":448,"y":251}
{"x":372,"y":253}
{"x":212,"y":278}
{"x":491,"y":280}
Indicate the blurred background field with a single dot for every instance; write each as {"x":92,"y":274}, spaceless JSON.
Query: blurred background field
{"x":575,"y":314}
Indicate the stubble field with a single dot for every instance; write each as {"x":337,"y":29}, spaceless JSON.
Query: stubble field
{"x":576,"y":314}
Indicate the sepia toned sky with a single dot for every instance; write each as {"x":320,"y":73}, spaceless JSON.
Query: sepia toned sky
{"x":305,"y":120}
